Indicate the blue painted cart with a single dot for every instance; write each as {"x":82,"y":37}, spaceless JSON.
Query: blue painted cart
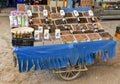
{"x":63,"y":58}
{"x":66,"y":60}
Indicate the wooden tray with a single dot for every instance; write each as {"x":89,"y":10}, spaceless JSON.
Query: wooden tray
{"x":68,"y":39}
{"x":22,"y":29}
{"x":94,"y":36}
{"x":105,"y":36}
{"x":81,"y":37}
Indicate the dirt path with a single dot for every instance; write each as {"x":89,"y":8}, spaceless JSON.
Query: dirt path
{"x":99,"y":73}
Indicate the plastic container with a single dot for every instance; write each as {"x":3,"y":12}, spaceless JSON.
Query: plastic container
{"x":23,"y":42}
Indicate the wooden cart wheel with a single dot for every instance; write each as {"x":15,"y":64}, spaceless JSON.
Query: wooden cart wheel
{"x":68,"y":75}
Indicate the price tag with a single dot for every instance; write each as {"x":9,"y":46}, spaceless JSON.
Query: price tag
{"x":29,"y":13}
{"x":46,"y":20}
{"x":100,"y":38}
{"x":48,"y":27}
{"x":88,"y":40}
{"x":65,"y":27}
{"x":57,"y":34}
{"x":95,"y":25}
{"x":93,"y":19}
{"x":40,"y":28}
{"x":83,"y":30}
{"x":76,"y":13}
{"x":71,"y":31}
{"x":95,"y":30}
{"x":62,"y":13}
{"x":80,"y":26}
{"x":78,"y":19}
{"x":37,"y":35}
{"x":75,"y":41}
{"x":63,"y":20}
{"x":90,"y":13}
{"x":46,"y":34}
{"x":45,"y":13}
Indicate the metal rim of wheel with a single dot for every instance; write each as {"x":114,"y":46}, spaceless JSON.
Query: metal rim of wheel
{"x":68,"y":75}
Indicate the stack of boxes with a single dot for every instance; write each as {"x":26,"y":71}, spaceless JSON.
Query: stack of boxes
{"x":86,"y":3}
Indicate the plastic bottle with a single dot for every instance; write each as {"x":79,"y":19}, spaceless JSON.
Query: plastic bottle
{"x":19,"y":20}
{"x":23,"y":21}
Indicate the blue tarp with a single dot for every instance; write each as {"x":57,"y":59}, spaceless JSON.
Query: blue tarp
{"x":20,"y":1}
{"x":78,"y":9}
{"x":63,"y":55}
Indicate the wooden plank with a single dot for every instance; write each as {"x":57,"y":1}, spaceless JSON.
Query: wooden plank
{"x":56,"y":3}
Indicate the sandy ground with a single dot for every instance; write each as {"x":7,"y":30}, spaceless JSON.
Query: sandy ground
{"x":99,"y":73}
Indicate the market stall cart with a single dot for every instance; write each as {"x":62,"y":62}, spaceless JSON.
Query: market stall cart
{"x":66,"y":40}
{"x":64,"y":58}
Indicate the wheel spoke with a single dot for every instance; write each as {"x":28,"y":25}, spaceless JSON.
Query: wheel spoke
{"x":64,"y":74}
{"x":72,"y":73}
{"x":68,"y":74}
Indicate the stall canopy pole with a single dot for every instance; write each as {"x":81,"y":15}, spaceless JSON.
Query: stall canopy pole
{"x":56,"y":3}
{"x":48,"y":2}
{"x":65,"y":3}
